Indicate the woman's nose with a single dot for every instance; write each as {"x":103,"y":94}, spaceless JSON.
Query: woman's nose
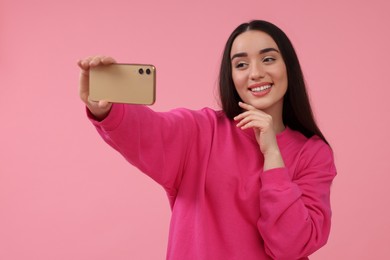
{"x":257,"y":71}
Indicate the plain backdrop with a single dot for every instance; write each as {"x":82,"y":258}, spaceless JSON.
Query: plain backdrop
{"x":64,"y":194}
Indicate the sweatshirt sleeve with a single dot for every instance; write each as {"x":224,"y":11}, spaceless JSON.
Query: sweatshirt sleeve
{"x":156,"y":143}
{"x":295,"y":212}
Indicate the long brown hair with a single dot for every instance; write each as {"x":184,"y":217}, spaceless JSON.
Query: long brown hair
{"x":297,"y":112}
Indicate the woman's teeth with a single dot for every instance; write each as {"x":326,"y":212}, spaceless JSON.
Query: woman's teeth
{"x":262,"y":88}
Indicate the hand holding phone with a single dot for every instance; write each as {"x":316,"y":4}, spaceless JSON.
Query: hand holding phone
{"x":101,"y":108}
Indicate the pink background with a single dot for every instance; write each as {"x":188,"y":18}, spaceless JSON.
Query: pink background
{"x":64,"y":194}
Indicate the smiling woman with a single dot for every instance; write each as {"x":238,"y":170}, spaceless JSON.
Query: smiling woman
{"x":256,"y":187}
{"x":259,"y":74}
{"x":271,"y":52}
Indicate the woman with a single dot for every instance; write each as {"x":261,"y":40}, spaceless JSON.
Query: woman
{"x":249,"y":182}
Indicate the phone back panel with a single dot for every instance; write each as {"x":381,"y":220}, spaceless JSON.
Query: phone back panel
{"x":123,"y":83}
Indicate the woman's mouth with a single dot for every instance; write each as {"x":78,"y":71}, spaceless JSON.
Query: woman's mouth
{"x":260,"y":88}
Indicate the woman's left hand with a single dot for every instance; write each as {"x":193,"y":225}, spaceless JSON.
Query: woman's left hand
{"x":263,"y":127}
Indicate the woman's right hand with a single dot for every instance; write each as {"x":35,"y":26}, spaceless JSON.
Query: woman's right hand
{"x":101,"y":108}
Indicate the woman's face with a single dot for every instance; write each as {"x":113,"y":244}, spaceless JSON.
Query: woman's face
{"x":259,"y":72}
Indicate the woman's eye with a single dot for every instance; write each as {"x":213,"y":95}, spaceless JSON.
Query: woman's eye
{"x":268,"y":59}
{"x":240,"y":65}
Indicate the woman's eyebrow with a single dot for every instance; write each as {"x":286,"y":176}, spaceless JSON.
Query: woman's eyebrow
{"x":244,"y":54}
{"x":238,"y":55}
{"x":268,"y":50}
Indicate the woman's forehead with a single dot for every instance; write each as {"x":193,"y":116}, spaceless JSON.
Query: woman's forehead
{"x":253,"y":41}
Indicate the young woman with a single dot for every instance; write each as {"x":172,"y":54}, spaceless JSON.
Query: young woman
{"x":249,"y":182}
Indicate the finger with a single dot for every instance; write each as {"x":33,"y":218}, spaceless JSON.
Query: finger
{"x":108,"y":60}
{"x":101,"y":60}
{"x":95,"y":61}
{"x":242,"y":115}
{"x":79,"y":63}
{"x":243,"y":119}
{"x":104,"y":104}
{"x":84,"y":63}
{"x":246,"y":106}
{"x":259,"y":123}
{"x":248,"y":113}
{"x":254,"y":115}
{"x":249,"y":118}
{"x":253,"y":124}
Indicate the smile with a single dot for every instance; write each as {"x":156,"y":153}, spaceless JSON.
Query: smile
{"x":260,"y":89}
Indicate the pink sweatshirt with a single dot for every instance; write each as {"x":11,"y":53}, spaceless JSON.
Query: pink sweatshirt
{"x":224,"y":206}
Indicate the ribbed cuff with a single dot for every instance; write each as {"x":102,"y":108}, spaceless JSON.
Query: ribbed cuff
{"x":113,"y":119}
{"x":275,"y":177}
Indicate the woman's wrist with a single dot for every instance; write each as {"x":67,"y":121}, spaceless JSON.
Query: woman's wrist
{"x":273,"y":159}
{"x":98,"y":113}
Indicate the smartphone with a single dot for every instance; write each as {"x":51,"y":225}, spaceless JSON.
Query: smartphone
{"x":123,"y":83}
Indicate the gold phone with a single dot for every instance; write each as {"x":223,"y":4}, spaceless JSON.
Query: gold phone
{"x":123,"y":83}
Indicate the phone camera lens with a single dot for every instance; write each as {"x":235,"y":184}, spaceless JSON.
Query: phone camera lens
{"x":141,"y":71}
{"x":148,"y":71}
